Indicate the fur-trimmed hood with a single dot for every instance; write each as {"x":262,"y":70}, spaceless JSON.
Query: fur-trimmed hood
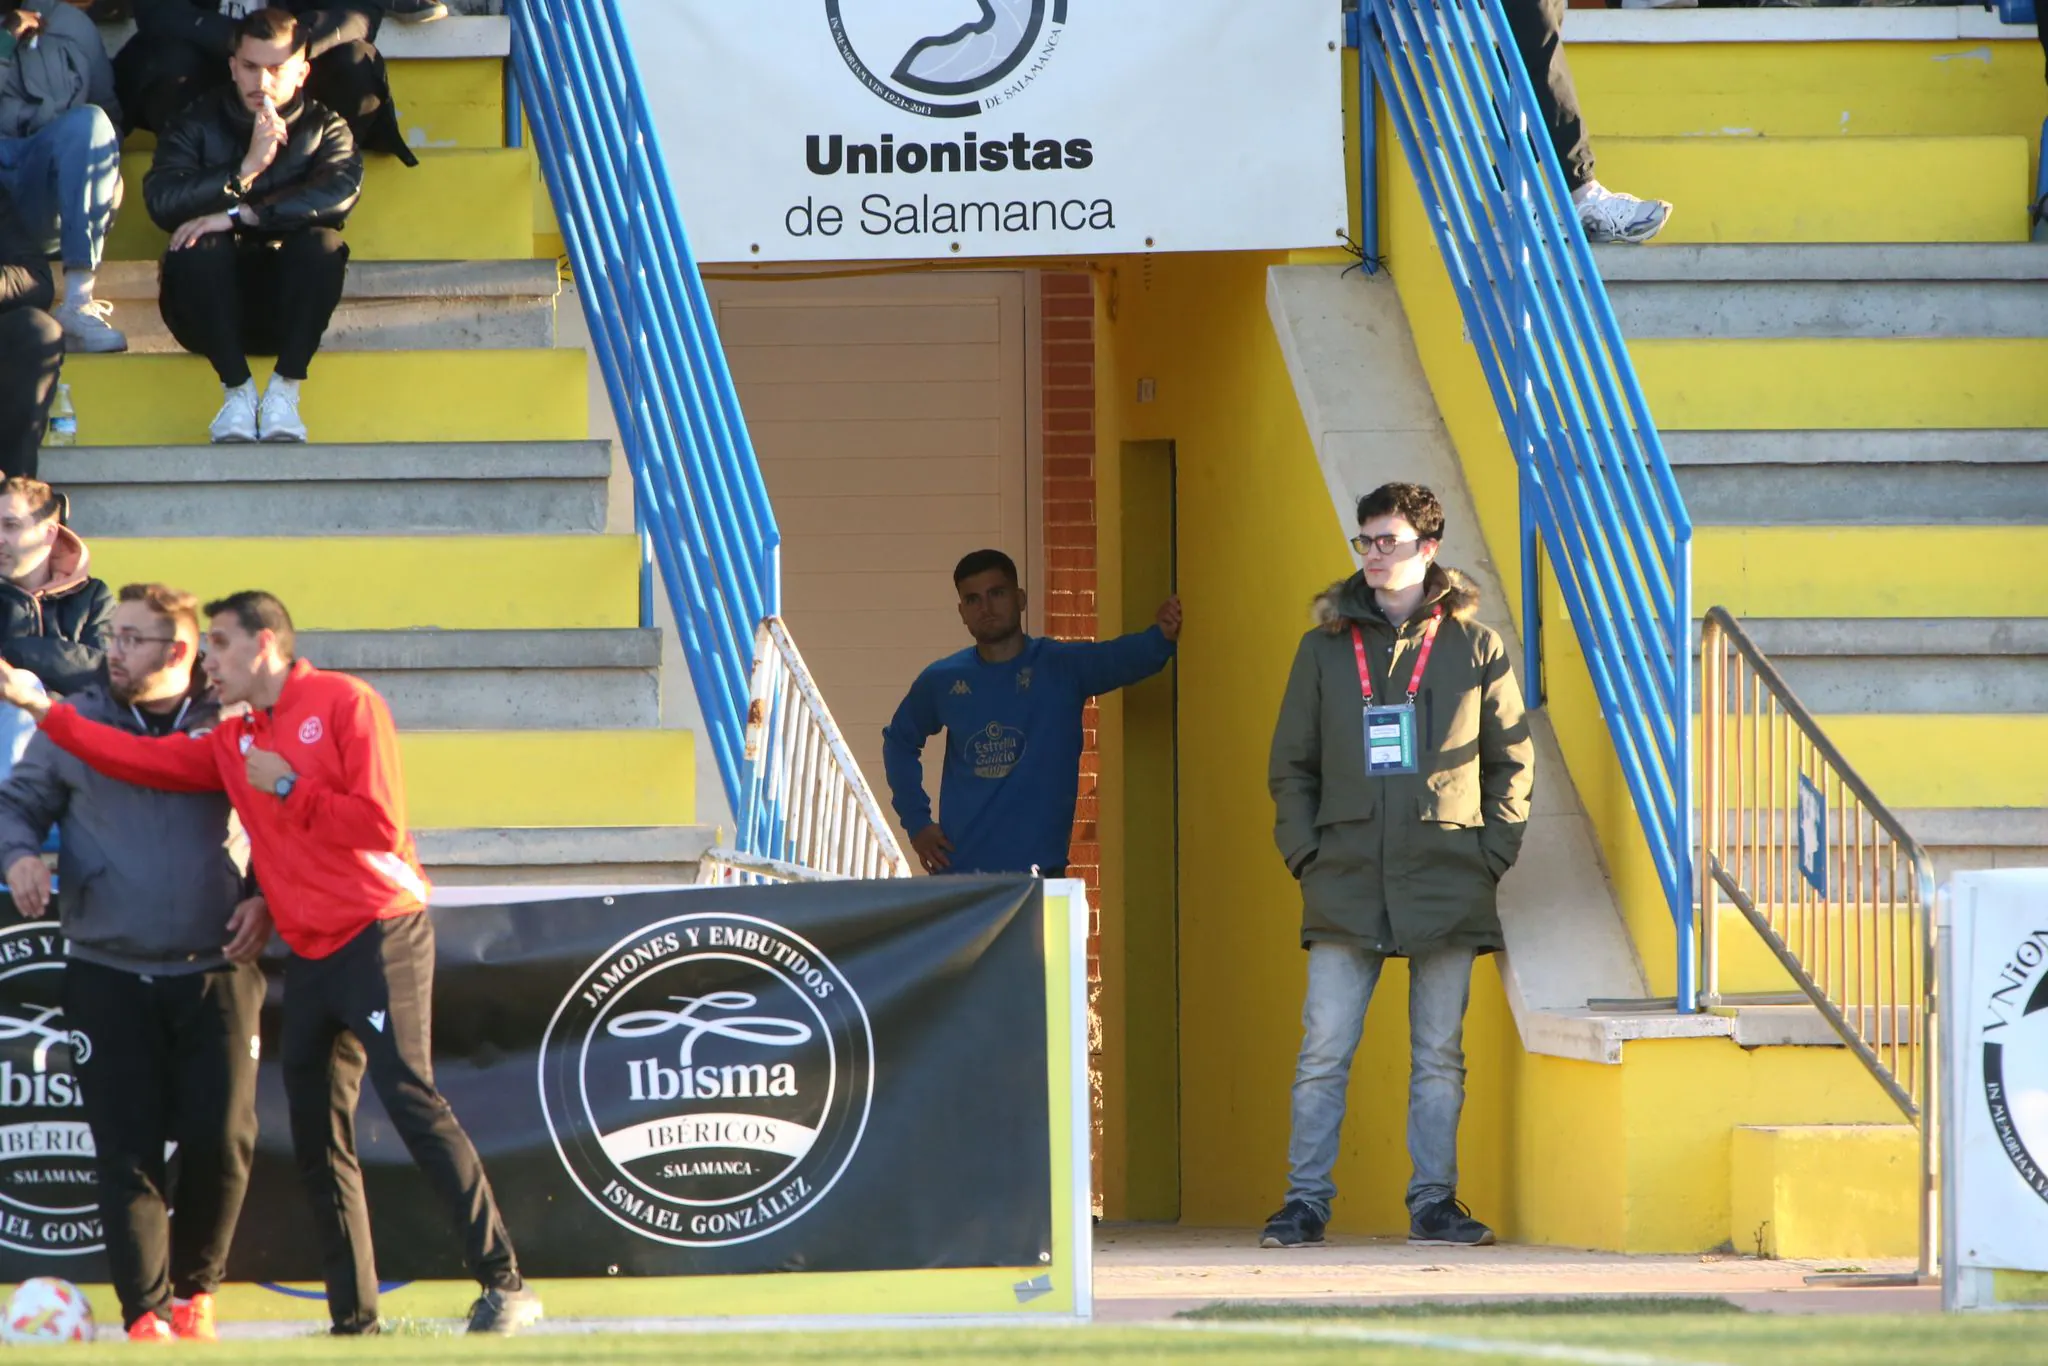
{"x":1349,"y":600}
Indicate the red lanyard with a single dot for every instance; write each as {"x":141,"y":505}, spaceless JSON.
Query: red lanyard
{"x":1421,"y":659}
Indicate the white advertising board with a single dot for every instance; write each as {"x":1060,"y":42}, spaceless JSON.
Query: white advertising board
{"x":826,"y":130}
{"x":1995,"y":1066}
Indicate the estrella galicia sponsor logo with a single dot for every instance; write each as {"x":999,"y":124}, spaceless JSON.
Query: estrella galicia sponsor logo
{"x":946,"y":60}
{"x":708,"y":1079}
{"x":996,"y":749}
{"x":49,"y":1199}
{"x":2015,"y":1032}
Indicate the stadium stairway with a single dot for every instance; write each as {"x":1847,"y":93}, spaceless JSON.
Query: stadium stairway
{"x":449,"y":534}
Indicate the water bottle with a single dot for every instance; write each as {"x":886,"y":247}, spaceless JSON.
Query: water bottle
{"x":63,"y":420}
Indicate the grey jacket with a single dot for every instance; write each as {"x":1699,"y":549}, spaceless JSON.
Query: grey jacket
{"x":67,"y":67}
{"x":146,"y":880}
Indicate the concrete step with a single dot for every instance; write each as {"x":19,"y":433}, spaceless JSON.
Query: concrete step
{"x":565,"y":856}
{"x":1977,"y":290}
{"x":402,"y":583}
{"x":1975,"y":665}
{"x":1732,"y":491}
{"x":1960,"y":838}
{"x":1825,"y":1190}
{"x":1829,"y":189}
{"x":530,"y":394}
{"x":472,"y":488}
{"x":1871,"y":571}
{"x":503,"y":680}
{"x":456,"y":205}
{"x":385,"y":306}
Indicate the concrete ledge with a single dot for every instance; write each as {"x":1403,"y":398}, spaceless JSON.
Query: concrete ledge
{"x":1586,"y":1036}
{"x":427,"y":281}
{"x":1931,"y":445}
{"x":354,"y":651}
{"x":1943,"y":637}
{"x":1979,"y":826}
{"x":1825,"y":1190}
{"x":338,"y":464}
{"x":565,"y":846}
{"x":450,"y":39}
{"x":1775,"y":264}
{"x":1911,"y":24}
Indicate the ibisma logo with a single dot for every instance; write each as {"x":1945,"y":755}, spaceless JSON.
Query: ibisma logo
{"x":947,"y":59}
{"x":49,"y":1197}
{"x":2015,"y":1032}
{"x":708,"y":1079}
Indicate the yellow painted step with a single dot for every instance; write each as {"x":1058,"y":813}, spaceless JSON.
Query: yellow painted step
{"x":1747,"y":189}
{"x":1844,"y":383}
{"x":510,"y":395}
{"x":1947,"y":760}
{"x":469,"y":779}
{"x":1832,"y":1191}
{"x":1827,"y":90}
{"x":453,"y":206}
{"x":377,"y":583}
{"x":1872,"y":571}
{"x":450,"y":103}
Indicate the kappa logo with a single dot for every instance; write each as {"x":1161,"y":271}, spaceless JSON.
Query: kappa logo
{"x":960,"y":688}
{"x":708,"y":1079}
{"x":377,"y":1020}
{"x":49,"y":1201}
{"x":310,"y":731}
{"x":1024,"y":679}
{"x":946,"y":59}
{"x":2016,"y":1058}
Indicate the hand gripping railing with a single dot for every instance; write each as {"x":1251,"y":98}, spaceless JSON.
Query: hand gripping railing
{"x":1838,"y":890}
{"x":1596,"y":489}
{"x":700,"y":505}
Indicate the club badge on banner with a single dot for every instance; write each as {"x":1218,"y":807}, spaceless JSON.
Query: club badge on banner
{"x":821,"y":130}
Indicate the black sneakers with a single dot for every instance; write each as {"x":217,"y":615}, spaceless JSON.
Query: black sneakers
{"x":504,"y":1312}
{"x":415,"y":11}
{"x":1296,"y":1225}
{"x":1447,"y":1223}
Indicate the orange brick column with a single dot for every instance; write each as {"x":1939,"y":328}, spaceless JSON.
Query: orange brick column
{"x":1067,"y":331}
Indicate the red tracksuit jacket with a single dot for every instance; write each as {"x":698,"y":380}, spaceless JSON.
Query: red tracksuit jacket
{"x":333,"y":857}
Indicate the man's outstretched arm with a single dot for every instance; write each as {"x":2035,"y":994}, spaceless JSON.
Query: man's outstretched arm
{"x":174,"y":763}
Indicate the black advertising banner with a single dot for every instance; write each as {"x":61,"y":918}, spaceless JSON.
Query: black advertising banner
{"x":825,"y":1077}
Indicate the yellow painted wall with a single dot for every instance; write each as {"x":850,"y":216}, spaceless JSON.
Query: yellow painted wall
{"x":1257,"y":541}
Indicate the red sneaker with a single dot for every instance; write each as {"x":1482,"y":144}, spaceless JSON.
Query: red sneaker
{"x":192,"y":1319}
{"x":149,"y":1328}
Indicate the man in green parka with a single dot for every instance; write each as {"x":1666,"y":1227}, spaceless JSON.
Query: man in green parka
{"x":1401,"y":772}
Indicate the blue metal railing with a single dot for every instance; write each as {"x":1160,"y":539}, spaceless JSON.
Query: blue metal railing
{"x":700,"y":506}
{"x":1597,"y":493}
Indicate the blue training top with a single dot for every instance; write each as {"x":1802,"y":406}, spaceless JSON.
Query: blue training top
{"x":1013,"y":745}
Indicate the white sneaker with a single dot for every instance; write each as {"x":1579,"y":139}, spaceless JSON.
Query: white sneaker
{"x":236,"y":420}
{"x":278,"y":419}
{"x":1610,"y":217}
{"x":86,"y":327}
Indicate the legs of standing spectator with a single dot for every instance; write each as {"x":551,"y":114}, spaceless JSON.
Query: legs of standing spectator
{"x":171,"y":1058}
{"x":31,"y":356}
{"x":368,"y":1007}
{"x":224,"y":298}
{"x":1341,"y":980}
{"x":1439,"y":989}
{"x":65,"y":180}
{"x":1607,"y":216}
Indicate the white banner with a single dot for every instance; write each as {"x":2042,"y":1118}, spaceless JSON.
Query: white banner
{"x":824,"y":130}
{"x":1997,"y":1064}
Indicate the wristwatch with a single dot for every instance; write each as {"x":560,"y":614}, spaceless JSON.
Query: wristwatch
{"x":235,"y":215}
{"x":283,"y":787}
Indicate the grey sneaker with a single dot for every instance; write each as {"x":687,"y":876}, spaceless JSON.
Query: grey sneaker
{"x":278,"y":419}
{"x":1447,"y":1223}
{"x":86,"y":327}
{"x":236,"y":422}
{"x":504,"y":1312}
{"x":1296,"y":1225}
{"x":1611,"y":217}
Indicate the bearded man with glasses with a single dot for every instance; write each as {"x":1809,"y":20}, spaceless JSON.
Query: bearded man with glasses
{"x":162,"y":998}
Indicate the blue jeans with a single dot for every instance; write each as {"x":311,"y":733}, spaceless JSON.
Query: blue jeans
{"x":65,"y":181}
{"x":1340,"y":986}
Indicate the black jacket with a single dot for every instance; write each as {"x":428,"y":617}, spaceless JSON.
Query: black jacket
{"x":59,"y":634}
{"x":24,"y":271}
{"x":314,"y":181}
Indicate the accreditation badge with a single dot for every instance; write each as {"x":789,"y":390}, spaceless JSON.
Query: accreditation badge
{"x":1390,"y":740}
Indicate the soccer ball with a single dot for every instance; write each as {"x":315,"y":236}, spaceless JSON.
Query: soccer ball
{"x":45,"y":1310}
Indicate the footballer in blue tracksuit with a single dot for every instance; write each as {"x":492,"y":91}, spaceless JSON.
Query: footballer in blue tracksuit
{"x":1011,"y":710}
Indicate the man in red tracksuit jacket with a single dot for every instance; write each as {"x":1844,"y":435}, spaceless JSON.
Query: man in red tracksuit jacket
{"x":313,"y":771}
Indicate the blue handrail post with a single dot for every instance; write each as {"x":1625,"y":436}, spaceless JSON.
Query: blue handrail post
{"x":1368,"y":143}
{"x":1685,"y":892}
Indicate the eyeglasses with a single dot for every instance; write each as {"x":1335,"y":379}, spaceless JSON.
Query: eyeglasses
{"x":1386,"y":545}
{"x":123,"y":641}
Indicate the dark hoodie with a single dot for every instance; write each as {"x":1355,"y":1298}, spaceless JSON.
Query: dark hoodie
{"x":1403,"y":864}
{"x":58,"y":633}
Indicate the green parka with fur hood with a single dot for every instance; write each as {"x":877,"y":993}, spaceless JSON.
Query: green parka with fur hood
{"x":1403,"y":864}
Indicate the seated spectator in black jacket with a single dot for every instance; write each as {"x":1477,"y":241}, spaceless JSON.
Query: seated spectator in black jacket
{"x":53,"y":613}
{"x":253,"y":184}
{"x":31,"y":345}
{"x":181,"y":48}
